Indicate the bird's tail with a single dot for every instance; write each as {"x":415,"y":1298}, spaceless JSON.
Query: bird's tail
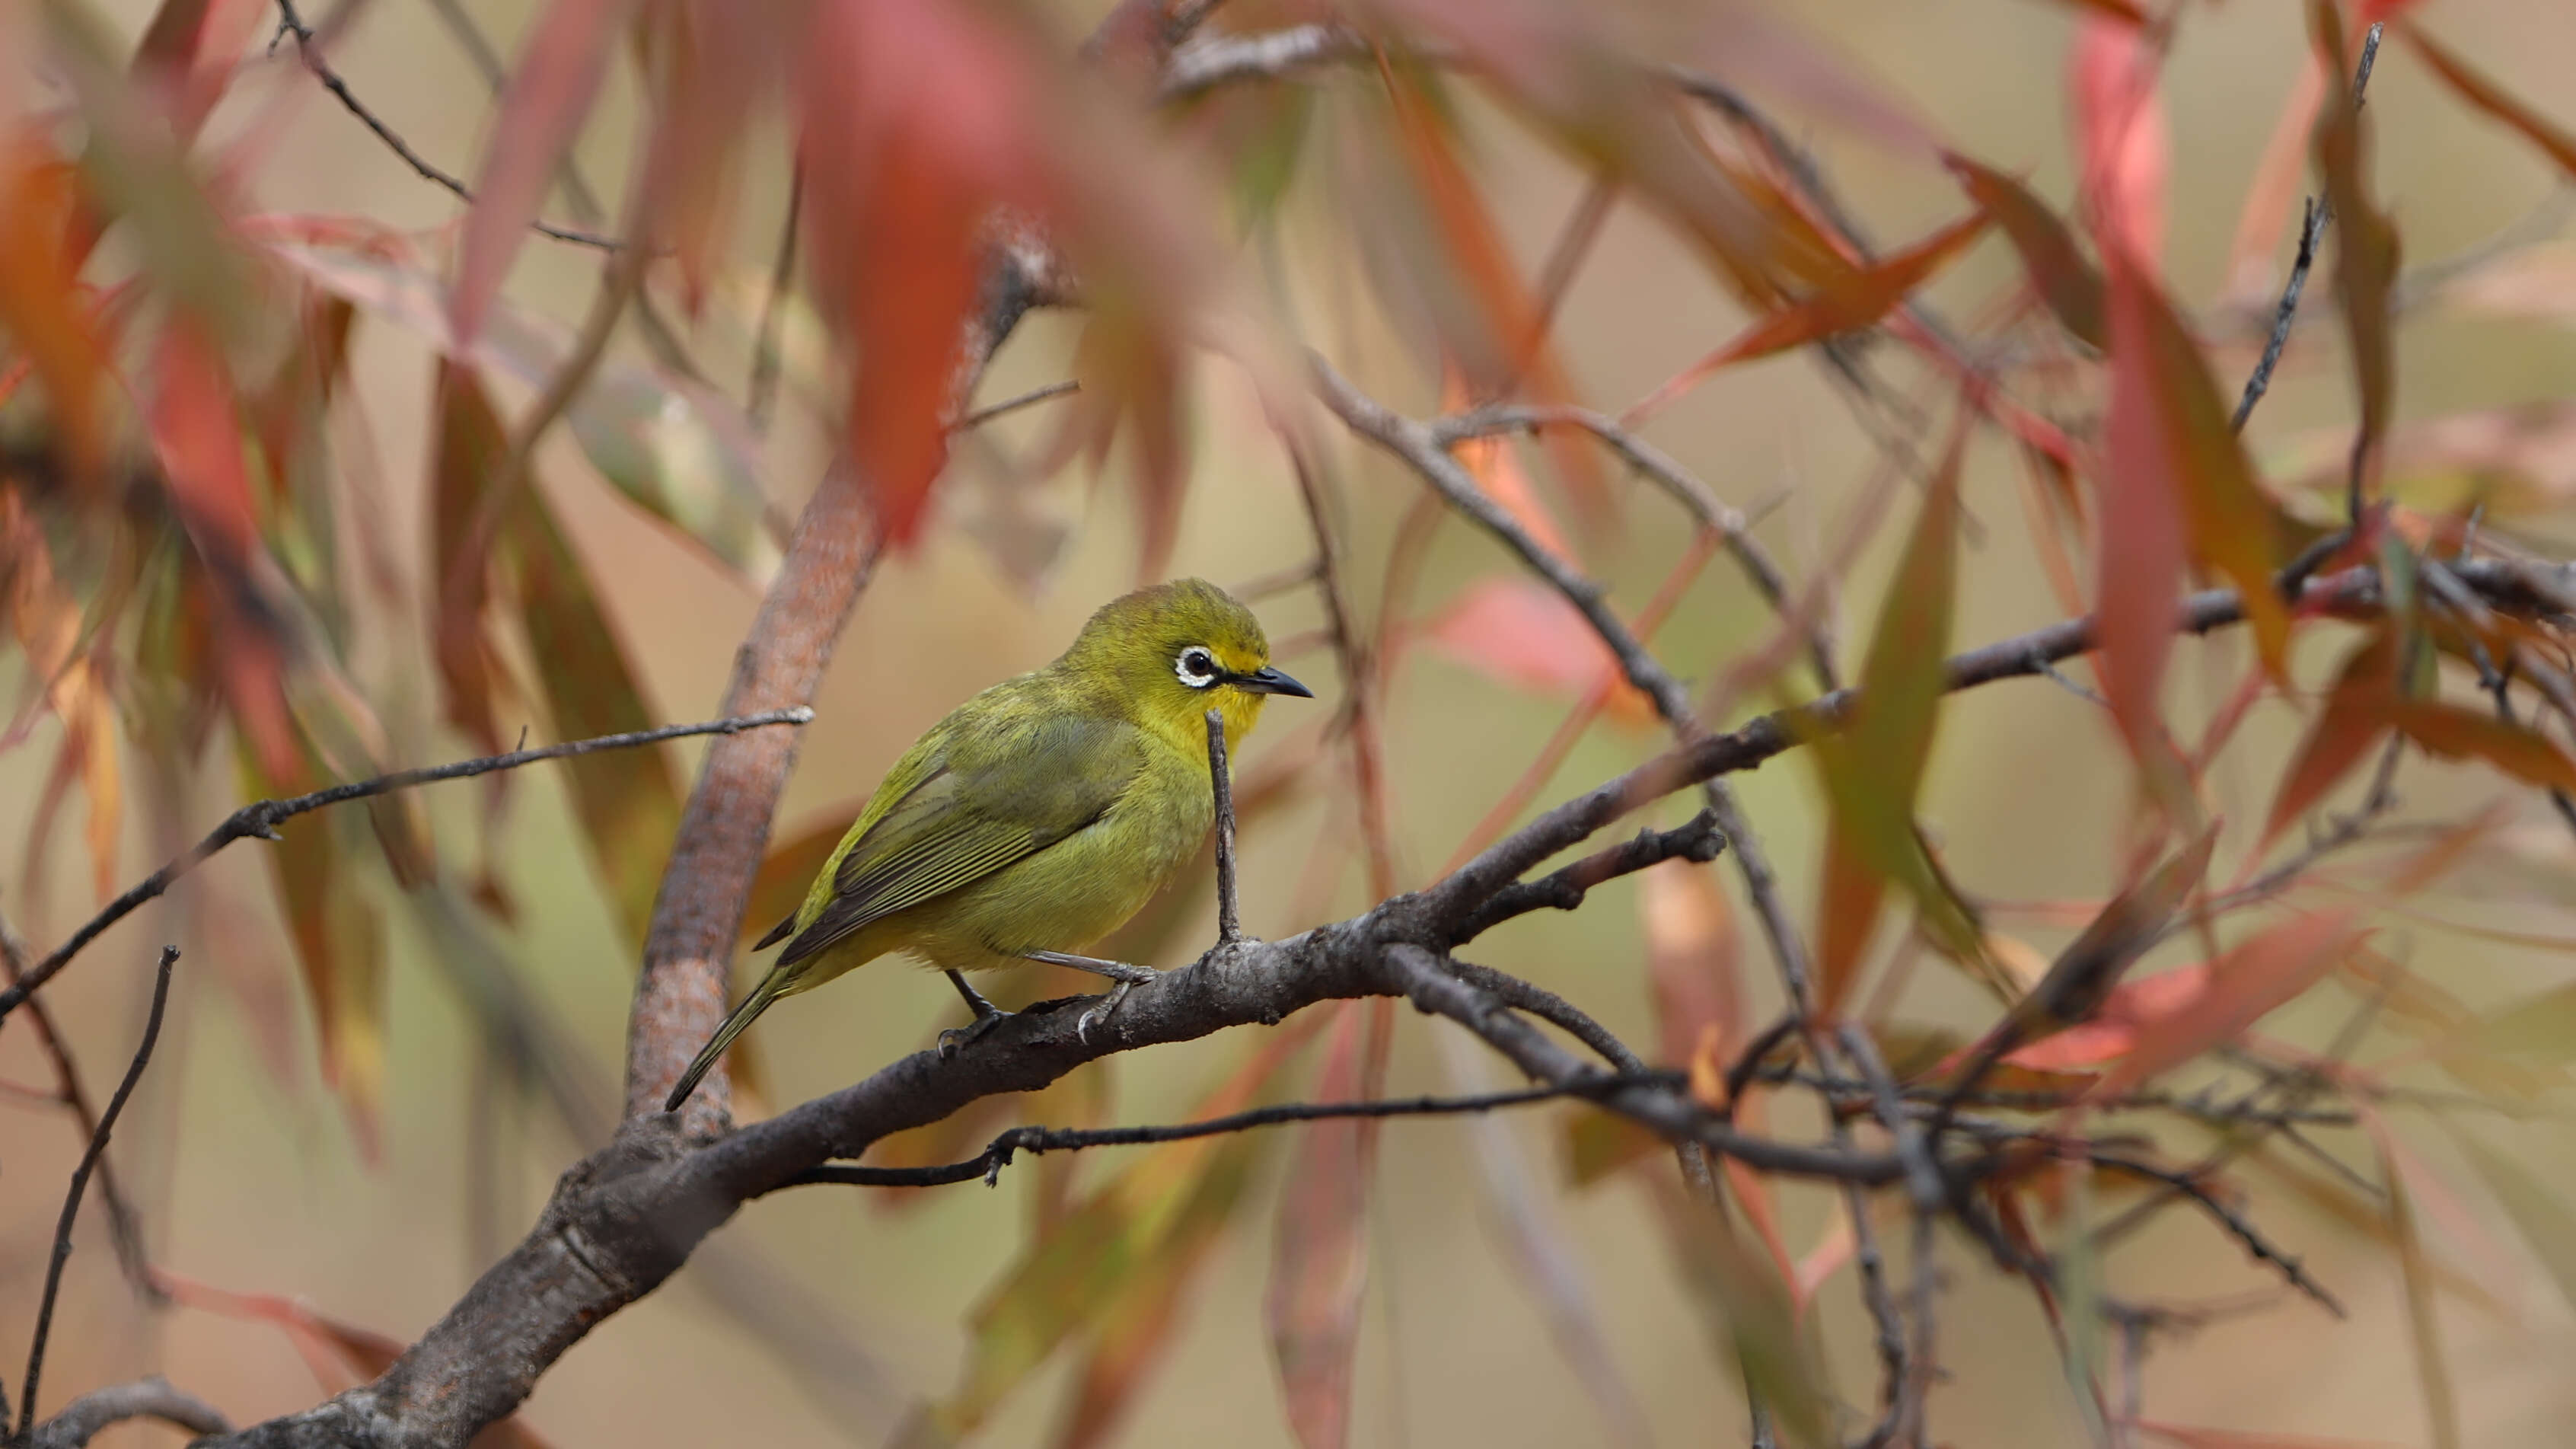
{"x":770,"y":988}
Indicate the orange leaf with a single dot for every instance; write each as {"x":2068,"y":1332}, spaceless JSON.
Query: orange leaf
{"x":549,"y":95}
{"x":2244,"y":985}
{"x":1848,"y":303}
{"x":2353,"y":719}
{"x":2059,"y":271}
{"x":1694,"y":961}
{"x":40,"y":297}
{"x":2450,"y":730}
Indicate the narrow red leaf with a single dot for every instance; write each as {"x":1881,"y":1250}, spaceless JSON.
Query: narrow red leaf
{"x":1525,"y":634}
{"x":549,"y":94}
{"x":2244,"y":985}
{"x":2123,"y":143}
{"x":1319,"y":1269}
{"x":1694,"y":960}
{"x":192,"y":49}
{"x":711,"y":73}
{"x":2275,"y":186}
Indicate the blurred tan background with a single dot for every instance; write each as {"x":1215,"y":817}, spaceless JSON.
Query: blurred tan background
{"x":252,"y":1180}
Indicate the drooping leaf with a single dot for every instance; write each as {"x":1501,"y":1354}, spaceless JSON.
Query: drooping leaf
{"x":628,"y":800}
{"x":678,"y":449}
{"x":1694,"y":959}
{"x":915,"y":119}
{"x":2274,"y":187}
{"x":710,"y":76}
{"x":1076,"y":1275}
{"x":1319,"y":1268}
{"x":41,"y":304}
{"x":1747,"y":1310}
{"x":470,"y":448}
{"x":2063,"y":276}
{"x":551,"y":88}
{"x":338,"y":933}
{"x":2351,"y":723}
{"x":2441,"y":1397}
{"x":2124,"y":146}
{"x":1873,"y":770}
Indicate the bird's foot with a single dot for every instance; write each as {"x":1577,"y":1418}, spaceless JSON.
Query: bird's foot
{"x":958,"y":1038}
{"x":1128,"y":978}
{"x":1106,"y":1008}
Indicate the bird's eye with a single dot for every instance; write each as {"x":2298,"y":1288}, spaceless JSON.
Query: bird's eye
{"x":1196,"y":667}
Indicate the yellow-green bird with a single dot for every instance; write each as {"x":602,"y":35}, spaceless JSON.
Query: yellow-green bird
{"x":1039,"y":815}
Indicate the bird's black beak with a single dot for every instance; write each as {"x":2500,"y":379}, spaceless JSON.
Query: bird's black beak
{"x":1267,"y":680}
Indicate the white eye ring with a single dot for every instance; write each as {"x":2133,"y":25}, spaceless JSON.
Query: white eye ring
{"x":1196,"y":667}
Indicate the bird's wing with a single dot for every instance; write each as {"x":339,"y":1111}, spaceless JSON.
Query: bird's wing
{"x":986,"y":798}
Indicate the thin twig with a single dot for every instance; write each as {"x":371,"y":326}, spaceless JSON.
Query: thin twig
{"x":259,"y":820}
{"x":989,"y":1163}
{"x":2226,"y":1217}
{"x":1923,"y":1186}
{"x":125,"y":1226}
{"x":62,"y":1253}
{"x":305,"y":49}
{"x":1008,"y":405}
{"x":2317,"y":213}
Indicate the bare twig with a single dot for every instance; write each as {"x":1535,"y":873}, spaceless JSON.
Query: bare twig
{"x":306,"y":50}
{"x":259,"y":820}
{"x":62,"y":1253}
{"x":2317,"y":214}
{"x":125,"y":1226}
{"x":989,"y":1163}
{"x":1008,"y":405}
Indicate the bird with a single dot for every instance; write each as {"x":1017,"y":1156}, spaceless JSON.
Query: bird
{"x":1038,"y":816}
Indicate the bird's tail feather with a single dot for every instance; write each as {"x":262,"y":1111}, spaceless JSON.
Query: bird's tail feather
{"x":753,"y":1005}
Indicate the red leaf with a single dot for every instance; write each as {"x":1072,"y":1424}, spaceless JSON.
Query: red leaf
{"x":916,"y":122}
{"x":2275,"y":185}
{"x":712,"y":73}
{"x":2244,"y":985}
{"x":1524,"y":633}
{"x":1319,"y":1272}
{"x":549,"y":94}
{"x":2113,"y":1031}
{"x":2484,"y":94}
{"x":2120,"y":122}
{"x":2065,"y":280}
{"x":193,"y":48}
{"x":1854,"y":301}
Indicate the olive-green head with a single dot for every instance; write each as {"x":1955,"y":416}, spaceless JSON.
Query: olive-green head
{"x":1172,"y":652}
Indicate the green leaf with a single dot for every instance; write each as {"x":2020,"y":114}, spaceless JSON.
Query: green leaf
{"x":2064,"y":278}
{"x":2546,"y":1223}
{"x":1873,"y":770}
{"x":628,"y":800}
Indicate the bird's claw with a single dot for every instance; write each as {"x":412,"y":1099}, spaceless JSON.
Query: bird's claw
{"x":957,"y":1038}
{"x":1107,"y":1008}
